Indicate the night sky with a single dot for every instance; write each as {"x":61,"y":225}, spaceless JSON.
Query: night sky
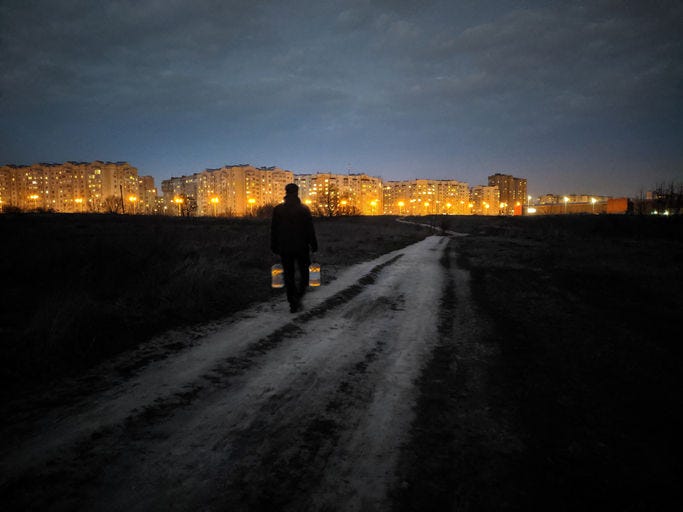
{"x":578,"y":97}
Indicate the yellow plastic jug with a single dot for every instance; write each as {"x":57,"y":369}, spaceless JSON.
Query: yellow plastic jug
{"x":277,"y":275}
{"x":314,"y":274}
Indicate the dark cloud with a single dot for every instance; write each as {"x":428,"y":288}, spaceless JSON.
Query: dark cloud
{"x":440,"y":79}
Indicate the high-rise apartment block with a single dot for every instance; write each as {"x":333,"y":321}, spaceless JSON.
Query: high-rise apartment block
{"x":76,"y":187}
{"x":228,"y":190}
{"x":331,"y":194}
{"x":422,"y":197}
{"x":485,"y":200}
{"x":512,"y":191}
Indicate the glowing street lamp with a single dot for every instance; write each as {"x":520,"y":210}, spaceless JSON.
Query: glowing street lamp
{"x":448,"y":208}
{"x":79,"y":202}
{"x":251,"y":202}
{"x":593,"y":201}
{"x":214,"y":202}
{"x":178,"y":201}
{"x":401,"y":204}
{"x":133,"y":201}
{"x":373,"y":203}
{"x":35,"y":198}
{"x":566,"y":200}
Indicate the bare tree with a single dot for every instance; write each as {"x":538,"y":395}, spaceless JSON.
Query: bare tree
{"x":112,"y":204}
{"x":265,"y":211}
{"x":188,"y":205}
{"x":328,"y":203}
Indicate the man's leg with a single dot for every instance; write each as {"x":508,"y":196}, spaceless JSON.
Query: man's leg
{"x":303,"y":261}
{"x":290,"y":282}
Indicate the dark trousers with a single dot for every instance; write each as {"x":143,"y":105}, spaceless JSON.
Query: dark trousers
{"x":290,"y":261}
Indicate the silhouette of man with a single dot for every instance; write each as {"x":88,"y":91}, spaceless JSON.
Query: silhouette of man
{"x":291,"y":236}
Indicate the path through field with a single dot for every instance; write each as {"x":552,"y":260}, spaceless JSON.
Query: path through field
{"x":272,"y":411}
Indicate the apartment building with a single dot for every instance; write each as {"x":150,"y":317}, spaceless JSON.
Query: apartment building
{"x":71,"y":186}
{"x":229,"y":190}
{"x":180,"y":194}
{"x":485,"y":200}
{"x":333,"y":194}
{"x":512,"y":193}
{"x":147,"y":200}
{"x":5,"y":178}
{"x":266,"y":185}
{"x":426,"y":197}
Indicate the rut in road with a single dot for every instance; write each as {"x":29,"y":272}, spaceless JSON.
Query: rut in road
{"x":273,"y":411}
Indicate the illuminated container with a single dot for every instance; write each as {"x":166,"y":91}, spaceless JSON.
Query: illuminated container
{"x":277,"y":275}
{"x":314,"y":274}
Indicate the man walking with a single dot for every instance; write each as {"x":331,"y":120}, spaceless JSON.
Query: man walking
{"x":291,"y":236}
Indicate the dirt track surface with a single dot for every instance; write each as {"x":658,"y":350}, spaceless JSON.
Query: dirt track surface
{"x":313,"y":411}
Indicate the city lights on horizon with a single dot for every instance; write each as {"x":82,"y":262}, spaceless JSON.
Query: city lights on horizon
{"x":243,"y":190}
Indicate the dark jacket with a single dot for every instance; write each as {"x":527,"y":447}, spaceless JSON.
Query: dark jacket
{"x":291,"y":230}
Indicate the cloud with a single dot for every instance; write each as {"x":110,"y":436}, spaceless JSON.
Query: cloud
{"x":396,"y":74}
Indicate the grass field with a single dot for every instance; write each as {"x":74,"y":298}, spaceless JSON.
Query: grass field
{"x":79,"y":288}
{"x":586,"y":322}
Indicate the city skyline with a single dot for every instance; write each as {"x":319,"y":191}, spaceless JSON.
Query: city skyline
{"x":576,"y":98}
{"x":244,"y":190}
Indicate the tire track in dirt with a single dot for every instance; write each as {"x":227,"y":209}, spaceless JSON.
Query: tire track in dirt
{"x":234,"y":366}
{"x":459,"y":449}
{"x":275,"y":456}
{"x":101,"y":446}
{"x":296,"y":456}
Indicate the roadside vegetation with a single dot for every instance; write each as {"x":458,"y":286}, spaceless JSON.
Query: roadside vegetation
{"x":80,"y":288}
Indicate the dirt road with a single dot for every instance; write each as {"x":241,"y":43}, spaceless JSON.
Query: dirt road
{"x":269,"y":410}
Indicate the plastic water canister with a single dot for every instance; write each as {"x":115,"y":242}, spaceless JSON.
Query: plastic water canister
{"x":277,"y":275}
{"x":314,"y":274}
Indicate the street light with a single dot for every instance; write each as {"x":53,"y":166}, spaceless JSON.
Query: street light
{"x":133,"y":200}
{"x":178,"y":201}
{"x":79,"y":202}
{"x":373,"y":203}
{"x":251,"y":202}
{"x":214,"y":202}
{"x":35,"y":200}
{"x":401,"y":204}
{"x":566,"y":200}
{"x":593,"y":201}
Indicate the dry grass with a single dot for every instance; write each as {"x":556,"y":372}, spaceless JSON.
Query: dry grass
{"x":80,"y":288}
{"x":586,"y":312}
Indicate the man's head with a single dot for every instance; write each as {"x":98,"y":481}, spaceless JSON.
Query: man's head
{"x":292,"y":189}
